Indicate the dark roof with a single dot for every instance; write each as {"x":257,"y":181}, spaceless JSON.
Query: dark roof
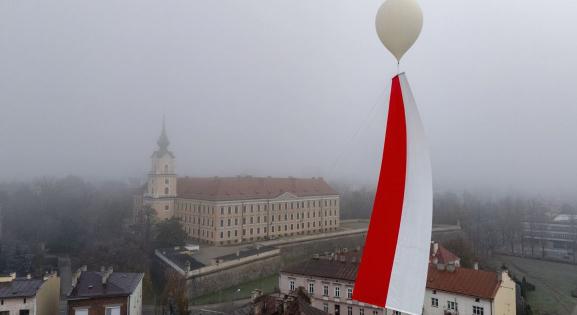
{"x":246,"y":252}
{"x":464,"y":281}
{"x":248,"y":187}
{"x":119,"y":284}
{"x":326,"y":269}
{"x":20,"y":288}
{"x":180,"y":258}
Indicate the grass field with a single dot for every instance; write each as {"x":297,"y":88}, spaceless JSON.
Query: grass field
{"x":266,"y":284}
{"x":553,"y":281}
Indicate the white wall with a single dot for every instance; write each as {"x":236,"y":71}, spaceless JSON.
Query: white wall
{"x":135,"y":301}
{"x":464,"y":303}
{"x":14,"y":305}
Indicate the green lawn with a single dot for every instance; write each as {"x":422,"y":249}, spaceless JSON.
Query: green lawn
{"x":553,"y":281}
{"x":266,"y":284}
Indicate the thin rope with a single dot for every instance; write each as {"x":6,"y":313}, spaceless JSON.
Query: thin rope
{"x":363,"y":124}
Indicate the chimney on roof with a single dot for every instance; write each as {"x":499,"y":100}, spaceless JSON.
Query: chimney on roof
{"x":76,"y":275}
{"x":435,"y":248}
{"x":106,"y":275}
{"x":440,"y":266}
{"x":187,"y":266}
{"x":8,"y":278}
{"x":28,"y":276}
{"x":476,"y":266}
{"x":50,"y":274}
{"x":255,"y":294}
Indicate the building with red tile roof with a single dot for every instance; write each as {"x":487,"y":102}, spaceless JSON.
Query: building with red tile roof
{"x":231,"y":210}
{"x":450,"y":289}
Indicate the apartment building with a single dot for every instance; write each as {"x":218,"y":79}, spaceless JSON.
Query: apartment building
{"x":450,"y":289}
{"x":558,"y":233}
{"x":29,"y":296}
{"x":105,"y":293}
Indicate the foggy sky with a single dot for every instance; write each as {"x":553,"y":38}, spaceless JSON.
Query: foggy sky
{"x":286,"y":88}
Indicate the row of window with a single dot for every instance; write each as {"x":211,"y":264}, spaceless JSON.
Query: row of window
{"x":272,"y":228}
{"x":253,"y":219}
{"x":311,"y":290}
{"x":256,"y":207}
{"x":337,"y":310}
{"x":109,"y":310}
{"x":453,"y":305}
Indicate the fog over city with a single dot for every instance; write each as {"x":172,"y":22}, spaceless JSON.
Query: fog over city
{"x":287,"y":88}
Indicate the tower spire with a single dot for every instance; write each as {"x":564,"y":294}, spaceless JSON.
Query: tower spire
{"x":163,"y":139}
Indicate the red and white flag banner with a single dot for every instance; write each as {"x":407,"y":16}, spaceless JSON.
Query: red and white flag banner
{"x":393,"y":269}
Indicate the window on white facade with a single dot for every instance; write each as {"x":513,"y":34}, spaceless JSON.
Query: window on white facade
{"x":349,"y":293}
{"x":452,"y":305}
{"x":478,"y":310}
{"x":112,"y":310}
{"x":326,"y":307}
{"x":349,"y":310}
{"x":375,"y":312}
{"x":292,"y":285}
{"x":337,"y":292}
{"x":361,"y":311}
{"x":311,"y":288}
{"x":434,"y":302}
{"x":326,"y":290}
{"x":396,"y":313}
{"x":81,"y":311}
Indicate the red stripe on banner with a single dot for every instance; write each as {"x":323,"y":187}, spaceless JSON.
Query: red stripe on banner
{"x":374,"y":274}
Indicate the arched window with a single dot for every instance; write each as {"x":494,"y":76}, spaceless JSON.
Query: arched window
{"x":166,"y":190}
{"x":166,"y":168}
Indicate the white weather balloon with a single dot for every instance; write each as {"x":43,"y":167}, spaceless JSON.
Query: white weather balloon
{"x":399,"y":23}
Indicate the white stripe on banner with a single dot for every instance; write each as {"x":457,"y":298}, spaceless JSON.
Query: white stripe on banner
{"x":409,"y":275}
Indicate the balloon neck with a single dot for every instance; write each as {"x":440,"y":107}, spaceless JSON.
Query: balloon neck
{"x":398,"y":67}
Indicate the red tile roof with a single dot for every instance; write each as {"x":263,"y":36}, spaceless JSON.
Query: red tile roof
{"x":248,"y":187}
{"x":464,"y":281}
{"x":443,"y":255}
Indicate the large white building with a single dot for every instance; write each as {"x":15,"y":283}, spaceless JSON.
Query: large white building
{"x":231,"y":210}
{"x":450,"y":289}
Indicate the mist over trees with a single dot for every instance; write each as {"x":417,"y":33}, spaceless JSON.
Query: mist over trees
{"x":89,"y":222}
{"x":71,"y":217}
